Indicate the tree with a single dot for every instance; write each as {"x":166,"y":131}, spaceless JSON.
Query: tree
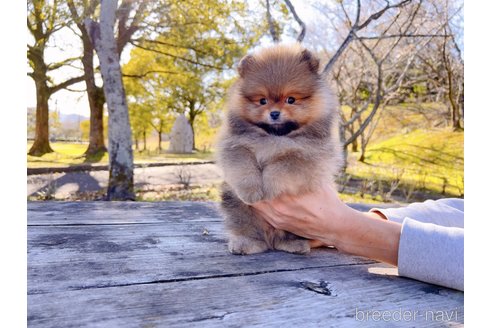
{"x":453,"y":66}
{"x":127,"y":25}
{"x":184,"y":62}
{"x":55,"y":124}
{"x":140,"y":121}
{"x":376,"y":60}
{"x":85,"y":129}
{"x":120,"y":185}
{"x":43,"y":20}
{"x":148,"y":101}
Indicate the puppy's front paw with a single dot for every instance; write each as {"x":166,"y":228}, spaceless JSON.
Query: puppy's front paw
{"x":240,"y":245}
{"x":296,"y":246}
{"x":250,"y":193}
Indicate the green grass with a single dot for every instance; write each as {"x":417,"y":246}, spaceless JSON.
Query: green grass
{"x":429,"y":160}
{"x":207,"y":192}
{"x":403,"y":118}
{"x":73,"y":154}
{"x":411,"y":144}
{"x":356,"y":198}
{"x":64,"y":154}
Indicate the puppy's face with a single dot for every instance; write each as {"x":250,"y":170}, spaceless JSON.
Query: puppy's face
{"x":280,"y":89}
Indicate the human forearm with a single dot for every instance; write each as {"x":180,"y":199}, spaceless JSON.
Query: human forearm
{"x":366,"y":234}
{"x":322,"y":216}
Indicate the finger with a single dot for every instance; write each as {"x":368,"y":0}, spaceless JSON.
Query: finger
{"x":261,"y":205}
{"x":316,"y":243}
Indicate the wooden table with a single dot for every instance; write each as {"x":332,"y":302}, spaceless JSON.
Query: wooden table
{"x":127,"y":264}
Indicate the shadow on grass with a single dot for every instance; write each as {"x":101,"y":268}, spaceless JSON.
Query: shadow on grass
{"x":434,"y":159}
{"x":75,"y":182}
{"x":93,"y":158}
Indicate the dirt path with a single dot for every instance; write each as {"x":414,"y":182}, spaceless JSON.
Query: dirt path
{"x":62,"y":185}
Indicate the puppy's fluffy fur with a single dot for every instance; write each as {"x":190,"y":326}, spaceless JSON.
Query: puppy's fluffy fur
{"x":263,"y":157}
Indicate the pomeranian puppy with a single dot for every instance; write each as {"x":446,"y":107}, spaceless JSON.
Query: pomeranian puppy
{"x":280,"y":136}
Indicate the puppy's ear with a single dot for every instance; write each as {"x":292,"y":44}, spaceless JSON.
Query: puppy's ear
{"x":311,"y":60}
{"x":245,"y":65}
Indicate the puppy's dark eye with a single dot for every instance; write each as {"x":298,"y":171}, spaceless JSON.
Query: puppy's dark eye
{"x":263,"y":101}
{"x":291,"y":100}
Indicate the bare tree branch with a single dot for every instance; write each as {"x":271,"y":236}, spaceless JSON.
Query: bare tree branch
{"x":175,"y":56}
{"x":123,"y":13}
{"x":298,"y":20}
{"x":66,"y":83}
{"x":139,"y":76}
{"x":383,"y":37}
{"x":168,"y":44}
{"x":271,"y":24}
{"x":57,"y":65}
{"x":375,"y":108}
{"x":357,"y":27}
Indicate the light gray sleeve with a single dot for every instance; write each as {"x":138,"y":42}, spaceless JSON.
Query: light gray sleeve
{"x":432,"y":253}
{"x":447,"y":212}
{"x":431,"y":241}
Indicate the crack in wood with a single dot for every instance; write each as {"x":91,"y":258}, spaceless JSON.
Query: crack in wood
{"x":218,"y":276}
{"x":106,"y":224}
{"x":211,"y":317}
{"x":322,"y":287}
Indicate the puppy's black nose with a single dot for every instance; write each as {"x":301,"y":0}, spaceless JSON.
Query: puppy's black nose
{"x":275,"y":115}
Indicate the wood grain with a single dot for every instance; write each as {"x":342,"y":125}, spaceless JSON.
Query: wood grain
{"x":118,"y":264}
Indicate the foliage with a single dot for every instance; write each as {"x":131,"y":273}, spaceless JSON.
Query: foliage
{"x":55,"y":124}
{"x":44,"y":19}
{"x":85,"y":127}
{"x":184,"y":69}
{"x":182,"y":60}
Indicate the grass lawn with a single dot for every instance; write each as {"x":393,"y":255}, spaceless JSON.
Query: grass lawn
{"x":429,"y":160}
{"x":72,"y":154}
{"x":411,"y":147}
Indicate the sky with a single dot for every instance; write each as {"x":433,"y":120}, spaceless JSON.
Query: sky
{"x":66,"y":44}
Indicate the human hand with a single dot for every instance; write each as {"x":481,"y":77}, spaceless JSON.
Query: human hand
{"x":317,"y":215}
{"x":322,"y":217}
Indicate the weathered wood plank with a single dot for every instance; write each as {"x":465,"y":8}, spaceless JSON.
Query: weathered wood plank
{"x":166,"y":264}
{"x":75,"y":213}
{"x":272,"y":300}
{"x":78,"y":213}
{"x":77,"y":257}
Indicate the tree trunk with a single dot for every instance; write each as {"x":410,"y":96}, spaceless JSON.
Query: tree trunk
{"x":145,"y":140}
{"x":355,"y":145}
{"x":95,"y":94}
{"x":136,"y":142}
{"x":363,"y":144}
{"x":362,"y":156}
{"x":193,"y":131}
{"x":41,"y":143}
{"x":341,"y":133}
{"x":96,"y":137}
{"x":160,"y":138}
{"x":192,"y":121}
{"x":455,"y":112}
{"x":120,"y":185}
{"x":96,"y":103}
